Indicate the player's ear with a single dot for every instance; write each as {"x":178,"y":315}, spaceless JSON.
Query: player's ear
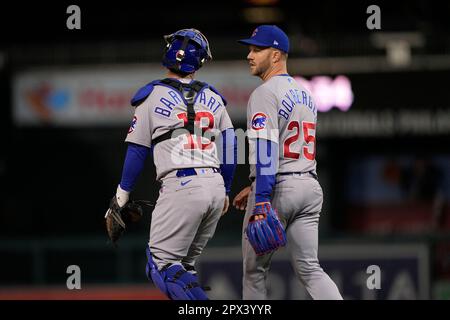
{"x":276,"y":56}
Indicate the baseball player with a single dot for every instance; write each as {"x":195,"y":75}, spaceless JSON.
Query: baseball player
{"x":184,"y":124}
{"x":281,"y":122}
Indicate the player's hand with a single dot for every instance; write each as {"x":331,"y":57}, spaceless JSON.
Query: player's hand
{"x":240,"y":201}
{"x":226,"y":204}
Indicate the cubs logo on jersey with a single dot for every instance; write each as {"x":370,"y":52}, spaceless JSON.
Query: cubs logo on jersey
{"x":259,"y":121}
{"x":133,"y":125}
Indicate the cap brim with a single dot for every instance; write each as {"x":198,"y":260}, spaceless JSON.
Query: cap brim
{"x":253,"y":42}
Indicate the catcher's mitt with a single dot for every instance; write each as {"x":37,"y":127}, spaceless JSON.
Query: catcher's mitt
{"x":264,"y":230}
{"x":118,"y":217}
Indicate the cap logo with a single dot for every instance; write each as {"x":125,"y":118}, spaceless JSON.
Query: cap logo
{"x":275,"y":42}
{"x":254,"y":32}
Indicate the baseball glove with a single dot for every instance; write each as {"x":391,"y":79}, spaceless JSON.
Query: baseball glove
{"x":118,"y":217}
{"x":264,"y":230}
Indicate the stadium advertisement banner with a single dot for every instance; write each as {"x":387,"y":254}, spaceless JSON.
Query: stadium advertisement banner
{"x":402,"y":272}
{"x":356,"y":105}
{"x":101,"y":95}
{"x":86,"y":96}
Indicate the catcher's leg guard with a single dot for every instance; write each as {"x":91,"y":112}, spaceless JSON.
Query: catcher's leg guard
{"x":151,"y":270}
{"x":183,"y":285}
{"x":174,"y":281}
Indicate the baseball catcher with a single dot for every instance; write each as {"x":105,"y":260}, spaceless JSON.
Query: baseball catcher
{"x":183,"y":125}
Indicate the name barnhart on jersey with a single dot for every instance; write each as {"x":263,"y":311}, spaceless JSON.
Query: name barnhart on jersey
{"x":172,"y":99}
{"x":293,"y":97}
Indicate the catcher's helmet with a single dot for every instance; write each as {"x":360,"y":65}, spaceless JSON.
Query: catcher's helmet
{"x":186,"y":51}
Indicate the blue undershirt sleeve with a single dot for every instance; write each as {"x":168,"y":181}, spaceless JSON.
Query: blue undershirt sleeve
{"x":133,"y":165}
{"x":229,"y":157}
{"x":266,"y":169}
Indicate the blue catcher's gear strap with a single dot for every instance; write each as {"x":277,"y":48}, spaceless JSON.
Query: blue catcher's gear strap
{"x":189,"y":92}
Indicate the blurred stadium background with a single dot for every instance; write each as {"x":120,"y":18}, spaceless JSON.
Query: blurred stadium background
{"x":383,"y":141}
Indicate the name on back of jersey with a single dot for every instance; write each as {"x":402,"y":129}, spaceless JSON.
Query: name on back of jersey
{"x":293,"y":97}
{"x":173,"y":98}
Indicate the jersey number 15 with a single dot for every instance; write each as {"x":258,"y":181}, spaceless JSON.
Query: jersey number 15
{"x":309,"y":144}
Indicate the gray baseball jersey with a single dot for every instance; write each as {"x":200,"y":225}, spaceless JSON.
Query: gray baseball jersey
{"x":164,"y":110}
{"x":283,"y":111}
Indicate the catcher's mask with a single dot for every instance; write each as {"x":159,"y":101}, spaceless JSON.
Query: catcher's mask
{"x":186,"y":51}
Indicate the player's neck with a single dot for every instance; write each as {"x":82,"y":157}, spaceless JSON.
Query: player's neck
{"x":274,"y":71}
{"x":171,"y":74}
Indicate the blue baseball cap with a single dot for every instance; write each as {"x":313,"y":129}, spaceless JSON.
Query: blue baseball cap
{"x":268,"y":36}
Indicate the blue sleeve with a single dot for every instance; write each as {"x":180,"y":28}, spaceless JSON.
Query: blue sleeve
{"x":266,"y":169}
{"x":133,"y":165}
{"x":229,"y":157}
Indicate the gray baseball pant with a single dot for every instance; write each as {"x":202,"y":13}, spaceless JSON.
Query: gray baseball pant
{"x":298,"y":200}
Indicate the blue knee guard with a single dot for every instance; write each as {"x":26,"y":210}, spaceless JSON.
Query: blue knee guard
{"x":174,"y":281}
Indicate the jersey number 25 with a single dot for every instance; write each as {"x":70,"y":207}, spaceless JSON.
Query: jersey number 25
{"x":309,"y":144}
